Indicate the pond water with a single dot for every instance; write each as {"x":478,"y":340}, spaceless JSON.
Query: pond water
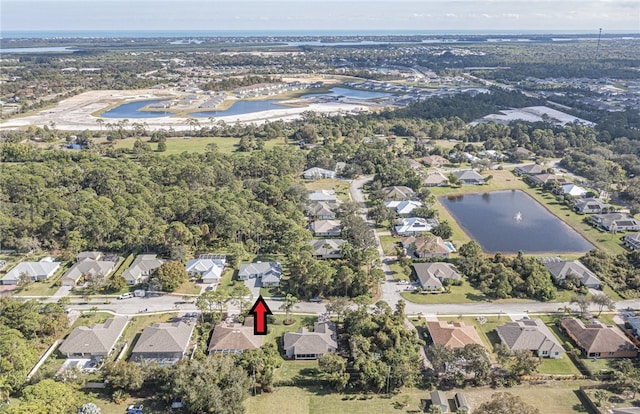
{"x":132,"y":110}
{"x":510,"y":221}
{"x":44,"y":49}
{"x":242,"y":107}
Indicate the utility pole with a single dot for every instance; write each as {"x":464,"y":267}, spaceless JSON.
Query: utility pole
{"x":388,"y":375}
{"x":598,"y":45}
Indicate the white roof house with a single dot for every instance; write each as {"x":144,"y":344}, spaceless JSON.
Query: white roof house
{"x":414,"y":225}
{"x":209,"y":270}
{"x":574,"y":190}
{"x":403,"y":208}
{"x":88,"y":264}
{"x":41,"y":270}
{"x":323,"y":195}
{"x":317,"y":173}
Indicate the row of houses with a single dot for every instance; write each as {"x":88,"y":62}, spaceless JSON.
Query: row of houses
{"x":595,"y":339}
{"x":167,"y":343}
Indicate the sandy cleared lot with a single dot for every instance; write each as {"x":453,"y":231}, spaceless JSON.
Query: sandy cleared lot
{"x":76,"y":113}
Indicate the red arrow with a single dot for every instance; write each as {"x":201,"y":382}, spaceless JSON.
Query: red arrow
{"x":260,"y":310}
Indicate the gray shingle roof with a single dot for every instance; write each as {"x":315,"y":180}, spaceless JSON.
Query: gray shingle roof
{"x":88,"y":267}
{"x":320,"y":341}
{"x":563,"y":268}
{"x":143,"y":264}
{"x":528,"y":334}
{"x":234,"y":337}
{"x":98,"y":339}
{"x":172,"y":337}
{"x":40,"y":270}
{"x":260,"y":268}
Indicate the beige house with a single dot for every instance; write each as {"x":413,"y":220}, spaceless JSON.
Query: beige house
{"x":599,"y":341}
{"x":234,"y":338}
{"x":163,"y":343}
{"x":95,"y":342}
{"x":304,"y":344}
{"x":453,"y":334}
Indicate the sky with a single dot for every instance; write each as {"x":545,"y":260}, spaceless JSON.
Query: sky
{"x":262,"y":15}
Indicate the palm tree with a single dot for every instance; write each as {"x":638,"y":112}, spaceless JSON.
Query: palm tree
{"x":288,"y":304}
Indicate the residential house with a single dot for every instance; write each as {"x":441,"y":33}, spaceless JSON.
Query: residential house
{"x":96,"y":342}
{"x":615,"y":222}
{"x":436,"y":179}
{"x":304,"y":344}
{"x":234,"y":338}
{"x":431,"y":275}
{"x":141,"y":268}
{"x":626,"y":410}
{"x":413,"y":164}
{"x":531,"y":335}
{"x":316,"y":173}
{"x":327,"y":248}
{"x":469,"y":177}
{"x":269,"y":273}
{"x":599,"y":341}
{"x":321,"y":210}
{"x":208,"y":270}
{"x":328,"y":196}
{"x":633,"y":324}
{"x":41,"y":270}
{"x":521,"y":153}
{"x":414,"y":225}
{"x":426,"y":246}
{"x":632,"y":241}
{"x":403,"y":208}
{"x":561,"y":269}
{"x":591,"y":206}
{"x":529,"y":169}
{"x":439,"y":399}
{"x":326,"y":228}
{"x":453,"y":334}
{"x":163,"y":343}
{"x":434,"y":161}
{"x":573,"y":190}
{"x":88,"y":264}
{"x":397,"y":192}
{"x":542,"y":179}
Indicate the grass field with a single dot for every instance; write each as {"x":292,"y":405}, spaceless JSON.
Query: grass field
{"x":195,"y":144}
{"x":389,"y":244}
{"x":398,"y":272}
{"x":341,"y":187}
{"x":550,"y":398}
{"x":459,"y":294}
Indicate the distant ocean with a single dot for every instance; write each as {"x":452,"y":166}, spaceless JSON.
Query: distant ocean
{"x":48,"y":34}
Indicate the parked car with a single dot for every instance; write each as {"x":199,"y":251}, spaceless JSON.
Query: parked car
{"x":135,"y":409}
{"x":315,"y":300}
{"x":126,"y":296}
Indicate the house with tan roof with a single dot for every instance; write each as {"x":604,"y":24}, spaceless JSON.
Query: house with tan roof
{"x":599,"y":341}
{"x":453,"y":334}
{"x":436,"y":179}
{"x":434,"y":161}
{"x":542,"y":179}
{"x":397,"y":192}
{"x":304,"y":344}
{"x":163,"y":343}
{"x":89,"y":264}
{"x":531,"y":335}
{"x":426,"y":246}
{"x":327,"y":248}
{"x":322,"y":210}
{"x":234,"y":338}
{"x":97,"y":341}
{"x":431,"y":275}
{"x":326,"y":228}
{"x":141,"y":268}
{"x":529,"y":169}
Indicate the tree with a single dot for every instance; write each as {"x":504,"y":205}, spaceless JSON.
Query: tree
{"x":600,"y":396}
{"x":260,"y":364}
{"x":505,"y":403}
{"x":47,"y":396}
{"x":582,"y":301}
{"x":602,"y":301}
{"x":214,"y":385}
{"x":338,"y":305}
{"x":443,"y":230}
{"x":288,"y":303}
{"x":127,"y":376}
{"x":171,"y":275}
{"x":524,"y":362}
{"x":333,"y":369}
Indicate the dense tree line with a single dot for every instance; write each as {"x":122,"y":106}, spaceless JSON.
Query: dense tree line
{"x":501,"y":277}
{"x":621,"y":272}
{"x":383,"y":353}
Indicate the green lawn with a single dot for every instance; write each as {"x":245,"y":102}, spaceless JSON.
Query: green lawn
{"x":398,"y":272}
{"x":318,"y":400}
{"x":341,"y":187}
{"x":389,"y":244}
{"x":459,"y":294}
{"x":559,"y":366}
{"x":39,"y":288}
{"x":293,"y":369}
{"x":189,"y":288}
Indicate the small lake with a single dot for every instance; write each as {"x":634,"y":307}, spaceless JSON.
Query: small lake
{"x":44,"y":49}
{"x":242,"y":107}
{"x":132,"y":110}
{"x":510,"y":221}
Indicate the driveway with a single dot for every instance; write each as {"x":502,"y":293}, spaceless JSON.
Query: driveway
{"x":254,"y":286}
